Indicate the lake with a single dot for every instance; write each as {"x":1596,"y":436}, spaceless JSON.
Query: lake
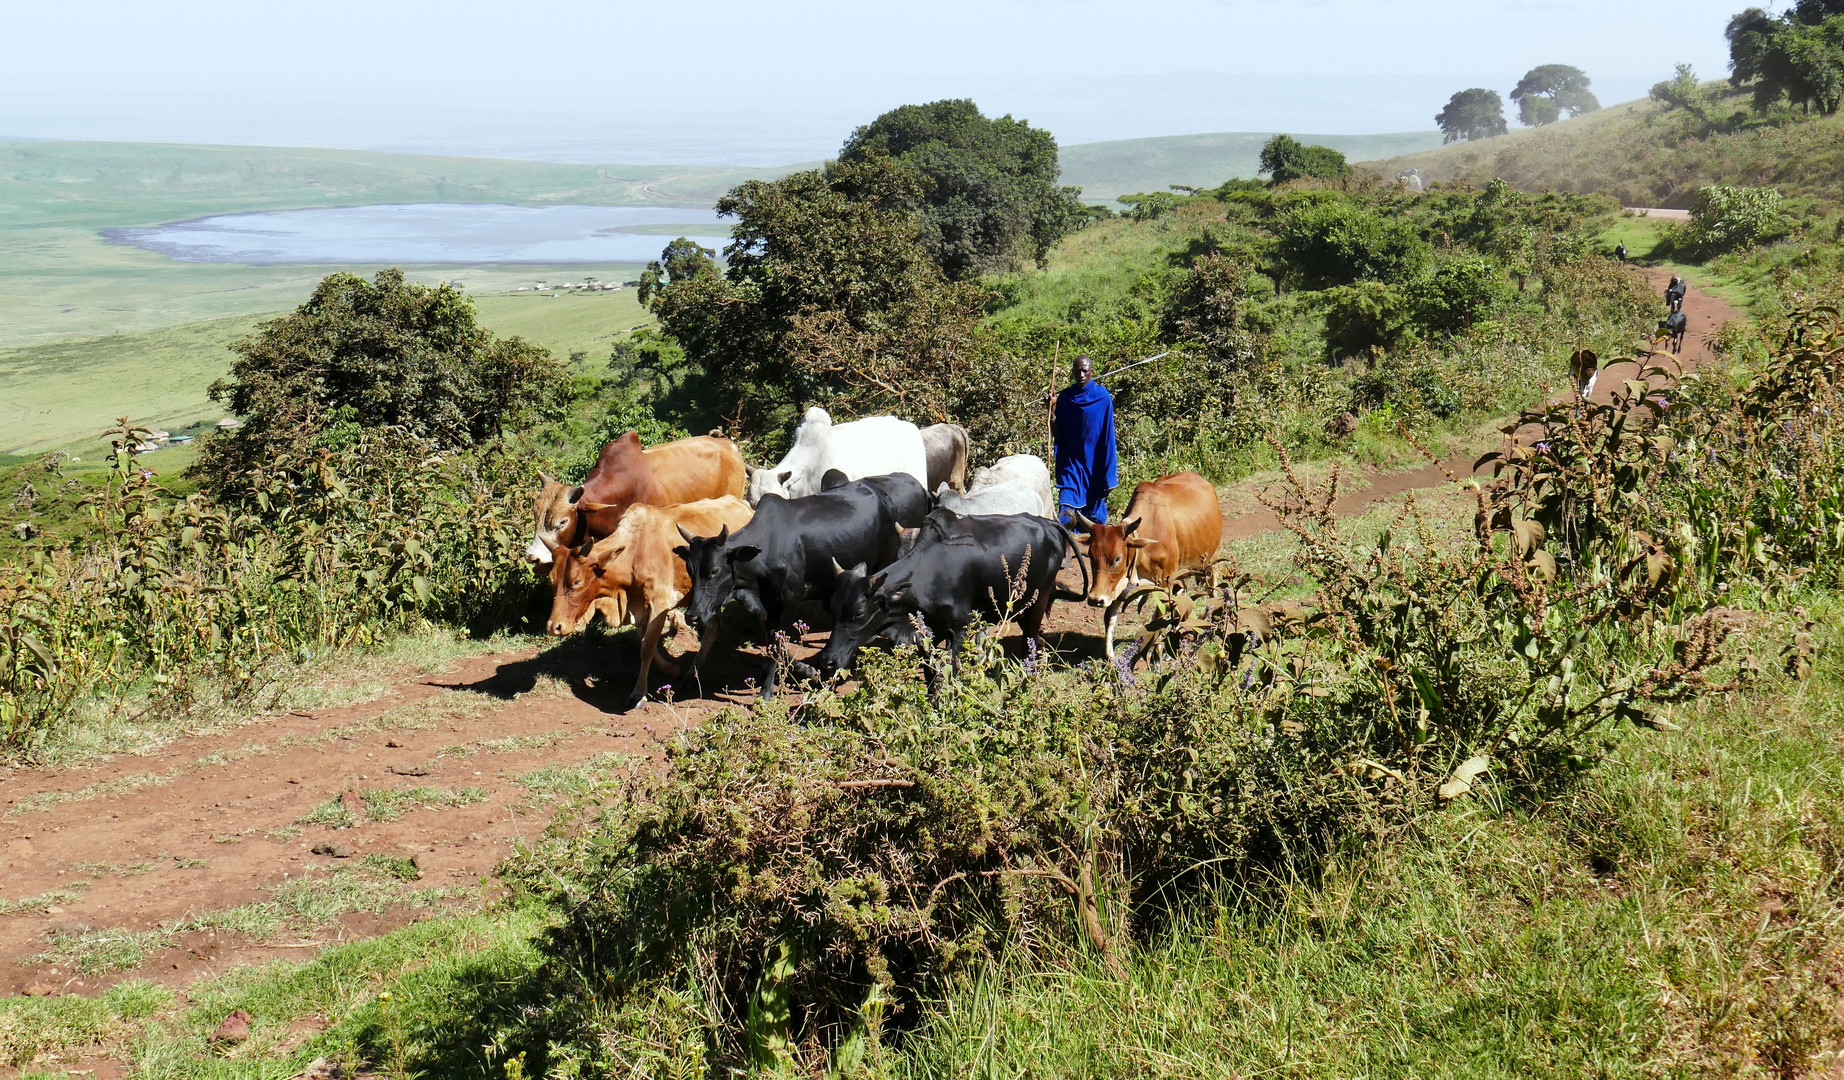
{"x":424,"y":233}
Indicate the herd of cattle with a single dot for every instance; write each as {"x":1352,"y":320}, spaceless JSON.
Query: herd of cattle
{"x":876,"y":519}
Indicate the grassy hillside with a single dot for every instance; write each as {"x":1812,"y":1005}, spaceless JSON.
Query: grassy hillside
{"x":59,"y":395}
{"x":1106,"y":169}
{"x":1648,"y":156}
{"x":99,"y":184}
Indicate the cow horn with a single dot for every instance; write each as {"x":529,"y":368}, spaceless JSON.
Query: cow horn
{"x":724,"y":535}
{"x":1082,"y":520}
{"x":544,"y":479}
{"x":836,"y":568}
{"x":687,"y":537}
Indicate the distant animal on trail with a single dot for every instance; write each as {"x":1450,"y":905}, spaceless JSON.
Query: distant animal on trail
{"x":999,"y":567}
{"x":633,"y":577}
{"x":1174,"y":523}
{"x":791,"y":552}
{"x":874,"y":446}
{"x":1671,"y":329}
{"x":946,"y":446}
{"x":1674,"y":294}
{"x":701,"y":467}
{"x":1018,"y":484}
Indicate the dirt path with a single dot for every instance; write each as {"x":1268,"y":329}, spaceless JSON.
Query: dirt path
{"x":450,"y":769}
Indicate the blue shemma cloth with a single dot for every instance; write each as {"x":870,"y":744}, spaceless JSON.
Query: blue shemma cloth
{"x":1086,"y":466}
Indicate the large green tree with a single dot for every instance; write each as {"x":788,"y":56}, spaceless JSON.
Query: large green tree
{"x":372,"y":354}
{"x":1549,"y":90}
{"x":988,"y":196}
{"x":1797,"y":57}
{"x":1286,"y":158}
{"x":829,"y":293}
{"x":1472,"y":114}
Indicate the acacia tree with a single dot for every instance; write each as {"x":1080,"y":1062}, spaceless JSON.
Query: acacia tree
{"x":1472,"y":114}
{"x":988,"y":195}
{"x":828,"y":290}
{"x":360,"y":355}
{"x":1547,"y":91}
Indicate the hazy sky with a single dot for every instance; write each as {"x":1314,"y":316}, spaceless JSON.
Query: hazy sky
{"x":772,"y":82}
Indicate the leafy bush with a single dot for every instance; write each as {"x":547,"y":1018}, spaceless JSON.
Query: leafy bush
{"x":1333,"y":242}
{"x":1727,"y":218}
{"x":361,"y":355}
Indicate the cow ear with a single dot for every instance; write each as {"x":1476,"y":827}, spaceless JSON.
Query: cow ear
{"x":1139,"y":541}
{"x":575,"y":494}
{"x":684,"y":554}
{"x":592,"y":507}
{"x":860,"y":569}
{"x":877,"y":582}
{"x":784,"y":476}
{"x":743,"y":553}
{"x":1127,"y":527}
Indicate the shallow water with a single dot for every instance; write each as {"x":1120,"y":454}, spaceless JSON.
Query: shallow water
{"x":423,"y":233}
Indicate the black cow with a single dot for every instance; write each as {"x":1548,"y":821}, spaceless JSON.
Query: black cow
{"x":1672,"y":329}
{"x":1674,"y":294}
{"x":997,"y":566}
{"x":791,"y":549}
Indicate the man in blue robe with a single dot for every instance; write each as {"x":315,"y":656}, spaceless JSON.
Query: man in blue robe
{"x":1086,"y":465}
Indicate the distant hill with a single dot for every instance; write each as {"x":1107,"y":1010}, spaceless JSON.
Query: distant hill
{"x":1106,"y":169}
{"x":1644,"y":155}
{"x":96,"y":183}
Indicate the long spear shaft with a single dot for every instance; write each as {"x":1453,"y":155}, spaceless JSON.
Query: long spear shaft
{"x":1133,"y":365}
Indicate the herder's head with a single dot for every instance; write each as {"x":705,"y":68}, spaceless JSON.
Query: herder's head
{"x":1082,"y":371}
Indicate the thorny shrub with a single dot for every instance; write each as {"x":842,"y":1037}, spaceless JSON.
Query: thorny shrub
{"x":178,"y":596}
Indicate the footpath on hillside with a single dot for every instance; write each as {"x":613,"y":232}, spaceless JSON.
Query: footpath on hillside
{"x":302,"y":829}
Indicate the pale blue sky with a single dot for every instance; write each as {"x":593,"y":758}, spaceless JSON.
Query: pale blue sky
{"x":766,"y":82}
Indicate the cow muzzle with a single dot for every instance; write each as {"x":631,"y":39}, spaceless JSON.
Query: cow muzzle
{"x":538,"y":554}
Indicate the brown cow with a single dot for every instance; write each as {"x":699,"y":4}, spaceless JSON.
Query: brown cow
{"x":701,"y":467}
{"x":633,"y":577}
{"x":1172,"y":525}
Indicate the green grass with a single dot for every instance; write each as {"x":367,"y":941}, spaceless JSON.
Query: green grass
{"x":1646,"y":156}
{"x":62,"y":394}
{"x":389,"y":804}
{"x":1106,"y":169}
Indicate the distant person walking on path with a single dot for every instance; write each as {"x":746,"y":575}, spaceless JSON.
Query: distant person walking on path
{"x":1620,"y":252}
{"x":1674,"y":294}
{"x":1087,"y":467}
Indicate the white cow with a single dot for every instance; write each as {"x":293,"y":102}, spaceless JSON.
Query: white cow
{"x":1019,"y":484}
{"x":874,"y":446}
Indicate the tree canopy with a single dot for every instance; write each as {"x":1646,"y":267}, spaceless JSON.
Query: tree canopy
{"x":1472,"y":114}
{"x":369,"y":354}
{"x":1797,"y":57}
{"x":828,"y":279}
{"x":1286,"y":158}
{"x":988,"y":196}
{"x":1548,"y":90}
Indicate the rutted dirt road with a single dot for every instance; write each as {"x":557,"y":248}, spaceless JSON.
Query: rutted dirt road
{"x":449,"y":768}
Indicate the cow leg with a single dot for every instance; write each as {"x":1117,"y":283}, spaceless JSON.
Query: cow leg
{"x":649,"y":645}
{"x":1031,"y":623}
{"x":1108,"y":619}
